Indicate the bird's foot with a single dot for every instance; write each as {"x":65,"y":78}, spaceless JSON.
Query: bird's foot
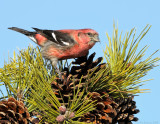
{"x":62,"y":77}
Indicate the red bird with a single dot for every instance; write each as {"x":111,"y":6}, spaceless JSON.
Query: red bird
{"x":62,"y":44}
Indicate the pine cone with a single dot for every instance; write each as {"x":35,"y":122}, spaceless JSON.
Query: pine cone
{"x":111,"y":111}
{"x":104,"y":111}
{"x":83,"y":66}
{"x":13,"y":111}
{"x":125,"y":109}
{"x":86,"y":65}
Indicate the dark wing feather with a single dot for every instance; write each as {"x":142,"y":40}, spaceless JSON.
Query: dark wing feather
{"x":60,"y":38}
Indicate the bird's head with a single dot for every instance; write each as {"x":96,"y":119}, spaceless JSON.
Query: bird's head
{"x":89,"y":36}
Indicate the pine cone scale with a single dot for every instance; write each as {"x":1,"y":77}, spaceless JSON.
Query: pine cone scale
{"x":13,"y":111}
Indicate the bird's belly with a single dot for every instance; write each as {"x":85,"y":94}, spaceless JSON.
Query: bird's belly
{"x":73,"y":52}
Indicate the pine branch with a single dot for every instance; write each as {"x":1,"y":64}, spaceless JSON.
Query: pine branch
{"x":125,"y":67}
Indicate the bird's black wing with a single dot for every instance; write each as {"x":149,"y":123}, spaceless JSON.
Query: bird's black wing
{"x":59,"y":38}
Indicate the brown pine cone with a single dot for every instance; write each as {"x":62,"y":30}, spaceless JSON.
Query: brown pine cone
{"x":13,"y":111}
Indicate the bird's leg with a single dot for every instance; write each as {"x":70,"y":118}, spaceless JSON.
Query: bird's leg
{"x":58,"y":71}
{"x":54,"y":64}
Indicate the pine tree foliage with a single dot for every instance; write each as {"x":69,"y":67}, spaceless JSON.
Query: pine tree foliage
{"x":125,"y":67}
{"x":28,"y":77}
{"x":24,"y":69}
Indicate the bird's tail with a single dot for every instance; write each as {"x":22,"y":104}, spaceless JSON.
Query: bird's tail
{"x":25,"y":32}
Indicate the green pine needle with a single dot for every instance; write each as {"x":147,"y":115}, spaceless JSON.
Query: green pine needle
{"x":28,"y":77}
{"x":125,"y":67}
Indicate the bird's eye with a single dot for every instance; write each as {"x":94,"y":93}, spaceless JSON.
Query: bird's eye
{"x":89,"y":34}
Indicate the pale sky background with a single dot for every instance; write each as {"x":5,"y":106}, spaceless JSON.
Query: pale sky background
{"x":96,"y":14}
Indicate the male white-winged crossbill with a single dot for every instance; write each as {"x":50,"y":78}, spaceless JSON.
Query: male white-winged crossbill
{"x":62,"y":44}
